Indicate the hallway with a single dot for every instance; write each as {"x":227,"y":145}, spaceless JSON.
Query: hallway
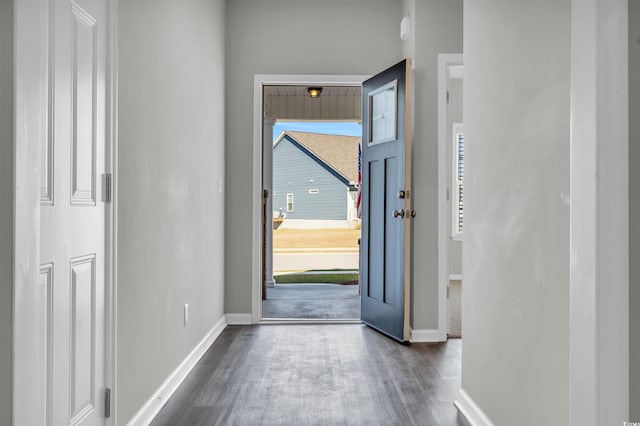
{"x":153,"y":115}
{"x":318,"y":374}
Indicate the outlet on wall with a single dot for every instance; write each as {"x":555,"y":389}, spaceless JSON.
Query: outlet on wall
{"x":186,"y":314}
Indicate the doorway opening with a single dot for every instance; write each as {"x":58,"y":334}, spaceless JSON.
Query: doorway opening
{"x":310,"y":228}
{"x":451,"y":164}
{"x":311,"y":239}
{"x":385,"y":298}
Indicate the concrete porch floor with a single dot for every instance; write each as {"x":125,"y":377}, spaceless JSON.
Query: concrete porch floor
{"x":312,"y":301}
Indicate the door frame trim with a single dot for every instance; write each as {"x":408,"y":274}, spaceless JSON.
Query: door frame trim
{"x":260,"y":80}
{"x":30,"y":81}
{"x":111,"y":287}
{"x":444,"y":181}
{"x":599,"y":213}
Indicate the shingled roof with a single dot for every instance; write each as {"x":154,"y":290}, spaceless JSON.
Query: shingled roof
{"x":338,"y":152}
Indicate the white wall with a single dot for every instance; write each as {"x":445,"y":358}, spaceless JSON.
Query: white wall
{"x":288,"y":37}
{"x":6,"y":206}
{"x":170,"y":214}
{"x":455,"y":257}
{"x":408,"y":8}
{"x":634,"y":207}
{"x":516,"y":248}
{"x":273,"y":37}
{"x":438,"y":29}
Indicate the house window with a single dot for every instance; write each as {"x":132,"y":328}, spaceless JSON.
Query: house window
{"x":289,"y":202}
{"x":457,"y":205}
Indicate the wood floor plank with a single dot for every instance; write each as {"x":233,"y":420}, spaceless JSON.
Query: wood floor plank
{"x":338,"y":374}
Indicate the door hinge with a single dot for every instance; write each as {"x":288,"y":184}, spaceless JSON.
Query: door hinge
{"x":447,"y":194}
{"x":447,"y":96}
{"x":447,"y":292}
{"x":107,"y":402}
{"x":108,"y":184}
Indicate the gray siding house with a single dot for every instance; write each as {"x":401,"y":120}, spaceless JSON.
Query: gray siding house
{"x":315,"y":176}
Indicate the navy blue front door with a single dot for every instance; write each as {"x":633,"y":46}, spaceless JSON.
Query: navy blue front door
{"x":386,"y":204}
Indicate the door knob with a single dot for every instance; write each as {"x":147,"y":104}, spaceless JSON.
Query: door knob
{"x":398,"y":213}
{"x":413,"y":213}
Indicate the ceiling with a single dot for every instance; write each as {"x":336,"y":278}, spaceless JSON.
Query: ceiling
{"x":335,"y":103}
{"x":302,"y":91}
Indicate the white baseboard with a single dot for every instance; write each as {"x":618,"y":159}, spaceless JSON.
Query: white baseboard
{"x":418,"y":336}
{"x":150,"y":409}
{"x":455,"y":277}
{"x":470,"y":410}
{"x":239,"y":319}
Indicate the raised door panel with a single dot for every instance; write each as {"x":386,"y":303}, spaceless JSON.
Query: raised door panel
{"x":374,"y":282}
{"x":83,"y":165}
{"x":46,"y":336}
{"x":83,"y":337}
{"x":46,"y":170}
{"x":394,"y":237}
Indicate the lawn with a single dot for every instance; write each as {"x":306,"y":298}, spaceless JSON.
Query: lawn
{"x":332,"y":277}
{"x":316,"y":238}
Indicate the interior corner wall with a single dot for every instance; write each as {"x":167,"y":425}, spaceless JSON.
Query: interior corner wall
{"x":438,"y":29}
{"x":634,"y":209}
{"x":350,"y":37}
{"x":6,"y":208}
{"x":516,"y":254}
{"x":170,"y":212}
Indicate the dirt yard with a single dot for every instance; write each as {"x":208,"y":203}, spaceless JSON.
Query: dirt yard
{"x":315,"y":238}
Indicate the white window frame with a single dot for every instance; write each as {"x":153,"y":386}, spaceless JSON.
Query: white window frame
{"x":289,"y":194}
{"x":456,"y":234}
{"x":352,"y":204}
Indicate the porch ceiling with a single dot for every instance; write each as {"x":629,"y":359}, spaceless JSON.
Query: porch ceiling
{"x":338,"y":103}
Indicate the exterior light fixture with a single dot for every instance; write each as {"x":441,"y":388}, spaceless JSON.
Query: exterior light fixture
{"x":314,"y":92}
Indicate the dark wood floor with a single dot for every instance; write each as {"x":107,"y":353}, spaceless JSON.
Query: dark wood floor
{"x":342,"y":374}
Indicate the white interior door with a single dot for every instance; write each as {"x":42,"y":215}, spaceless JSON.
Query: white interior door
{"x":73,"y":227}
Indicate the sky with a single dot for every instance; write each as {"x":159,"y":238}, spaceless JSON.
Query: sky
{"x":333,"y":128}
